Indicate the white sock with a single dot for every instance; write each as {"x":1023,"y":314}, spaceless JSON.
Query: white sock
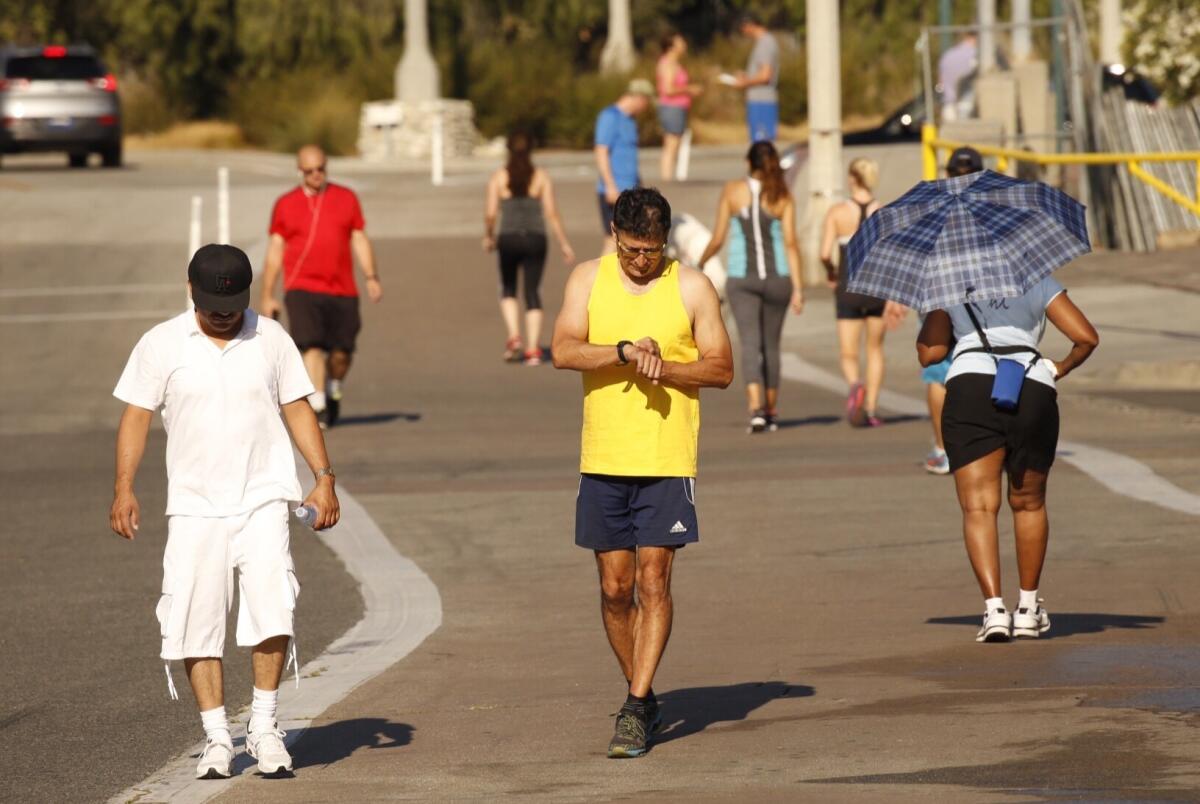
{"x":994,"y":603}
{"x":335,"y":389}
{"x":317,"y":400}
{"x":1028,"y":600}
{"x":262,"y":709}
{"x":216,"y":727}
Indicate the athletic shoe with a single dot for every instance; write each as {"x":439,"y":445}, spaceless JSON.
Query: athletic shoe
{"x":268,"y":748}
{"x":854,"y":401}
{"x":937,"y":462}
{"x":215,"y":761}
{"x":512,"y":349}
{"x":1031,"y":622}
{"x":653,"y":715}
{"x":772,"y":422}
{"x":997,"y":627}
{"x":629,"y":739}
{"x":758,"y":422}
{"x":872,"y":421}
{"x":533,"y":357}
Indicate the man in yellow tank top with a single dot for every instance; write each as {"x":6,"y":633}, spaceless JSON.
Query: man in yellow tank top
{"x":646,"y":332}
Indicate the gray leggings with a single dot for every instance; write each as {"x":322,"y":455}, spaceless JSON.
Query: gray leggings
{"x":759,"y":307}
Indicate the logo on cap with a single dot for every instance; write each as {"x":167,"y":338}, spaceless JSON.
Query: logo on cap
{"x":224,"y":283}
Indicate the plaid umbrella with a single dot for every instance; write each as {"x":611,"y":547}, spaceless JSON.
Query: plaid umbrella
{"x":983,"y":236}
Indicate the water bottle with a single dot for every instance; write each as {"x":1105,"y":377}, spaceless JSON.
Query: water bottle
{"x":307,"y":514}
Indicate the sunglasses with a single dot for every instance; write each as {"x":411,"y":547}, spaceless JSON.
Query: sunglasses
{"x":649,"y":253}
{"x":312,"y":170}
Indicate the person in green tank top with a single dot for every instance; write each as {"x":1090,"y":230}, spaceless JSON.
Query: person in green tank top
{"x":646,"y":334}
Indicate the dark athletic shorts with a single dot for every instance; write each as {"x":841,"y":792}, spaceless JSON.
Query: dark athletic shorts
{"x":973,"y":427}
{"x":606,"y":214}
{"x":621,"y":513}
{"x":321,"y":321}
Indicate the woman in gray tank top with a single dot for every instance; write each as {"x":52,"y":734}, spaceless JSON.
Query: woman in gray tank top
{"x":521,"y":196}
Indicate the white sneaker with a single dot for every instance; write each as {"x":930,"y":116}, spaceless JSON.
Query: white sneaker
{"x":1031,"y":622}
{"x":268,"y":748}
{"x":215,"y":761}
{"x":997,"y":627}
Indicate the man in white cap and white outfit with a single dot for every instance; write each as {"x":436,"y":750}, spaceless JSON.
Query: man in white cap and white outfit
{"x":223,"y":376}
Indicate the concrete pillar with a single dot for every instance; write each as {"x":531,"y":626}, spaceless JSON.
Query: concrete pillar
{"x":825,"y":126}
{"x":617,"y":55}
{"x":1110,"y":32}
{"x":987,"y":36}
{"x":1022,"y":40}
{"x":417,"y":73}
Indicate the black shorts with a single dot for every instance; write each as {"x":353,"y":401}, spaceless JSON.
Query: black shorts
{"x":606,"y":214}
{"x":322,"y":321}
{"x":621,"y":513}
{"x":854,"y":306}
{"x":973,"y":427}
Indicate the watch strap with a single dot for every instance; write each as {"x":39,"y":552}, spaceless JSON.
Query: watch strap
{"x":621,"y":351}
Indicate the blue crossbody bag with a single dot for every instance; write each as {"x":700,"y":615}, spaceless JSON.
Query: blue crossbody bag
{"x":1010,"y":374}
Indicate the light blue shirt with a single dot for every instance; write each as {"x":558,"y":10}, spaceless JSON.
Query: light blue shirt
{"x":619,"y":133}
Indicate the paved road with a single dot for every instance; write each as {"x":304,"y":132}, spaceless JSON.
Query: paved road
{"x":823,"y":643}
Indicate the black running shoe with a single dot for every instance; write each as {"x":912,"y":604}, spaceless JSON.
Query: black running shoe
{"x":772,"y":422}
{"x":629,"y":739}
{"x":653,"y":715}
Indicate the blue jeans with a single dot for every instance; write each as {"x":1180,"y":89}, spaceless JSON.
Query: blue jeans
{"x":762,"y":118}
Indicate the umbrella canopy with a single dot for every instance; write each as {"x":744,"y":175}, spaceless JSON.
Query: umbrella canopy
{"x":979,"y":236}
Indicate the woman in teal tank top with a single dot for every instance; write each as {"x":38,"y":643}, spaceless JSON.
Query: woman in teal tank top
{"x":758,"y":216}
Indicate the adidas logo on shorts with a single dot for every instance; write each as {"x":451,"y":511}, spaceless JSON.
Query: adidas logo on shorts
{"x":678,"y":527}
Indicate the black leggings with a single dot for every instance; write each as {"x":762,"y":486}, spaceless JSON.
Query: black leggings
{"x":759,"y":308}
{"x":522,"y":250}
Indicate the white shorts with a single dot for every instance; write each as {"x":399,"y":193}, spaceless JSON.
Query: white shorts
{"x":197,"y":590}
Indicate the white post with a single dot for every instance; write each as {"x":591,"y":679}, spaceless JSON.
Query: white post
{"x":987,"y":36}
{"x":1022,"y":40}
{"x":436,"y":151}
{"x":223,"y":205}
{"x":825,"y":125}
{"x":617,"y":55}
{"x":684,"y":157}
{"x":194,"y":229}
{"x":1110,"y":32}
{"x":417,"y":73}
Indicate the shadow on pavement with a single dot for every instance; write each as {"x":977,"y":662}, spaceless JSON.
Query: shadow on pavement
{"x":1064,"y":625}
{"x":324,"y":745}
{"x":690,"y":711}
{"x":377,"y":418}
{"x":784,"y":424}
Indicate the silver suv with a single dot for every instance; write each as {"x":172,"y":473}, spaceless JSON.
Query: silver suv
{"x":59,"y":98}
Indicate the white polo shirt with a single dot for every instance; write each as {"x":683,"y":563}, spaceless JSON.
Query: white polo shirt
{"x":228,"y":451}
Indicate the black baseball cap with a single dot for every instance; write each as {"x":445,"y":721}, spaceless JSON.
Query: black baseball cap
{"x":220,"y":277}
{"x":963,"y":161}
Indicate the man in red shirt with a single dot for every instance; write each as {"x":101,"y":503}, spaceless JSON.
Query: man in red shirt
{"x":314,"y":227}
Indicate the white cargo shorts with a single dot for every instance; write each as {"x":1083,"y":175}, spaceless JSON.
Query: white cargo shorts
{"x":197,"y":589}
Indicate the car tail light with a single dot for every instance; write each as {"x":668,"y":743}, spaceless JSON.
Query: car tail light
{"x":108,"y":83}
{"x":13,"y":83}
{"x":54,"y":51}
{"x":108,"y":120}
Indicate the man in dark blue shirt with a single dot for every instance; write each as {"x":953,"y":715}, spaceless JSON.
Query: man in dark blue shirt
{"x":616,"y":148}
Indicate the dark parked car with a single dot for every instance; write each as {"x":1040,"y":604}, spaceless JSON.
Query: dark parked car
{"x":59,"y":98}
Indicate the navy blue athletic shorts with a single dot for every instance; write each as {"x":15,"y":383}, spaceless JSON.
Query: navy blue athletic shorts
{"x":621,"y":513}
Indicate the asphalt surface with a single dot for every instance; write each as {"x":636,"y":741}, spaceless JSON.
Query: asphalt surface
{"x":823,"y":645}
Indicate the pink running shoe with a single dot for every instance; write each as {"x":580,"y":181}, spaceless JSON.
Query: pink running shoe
{"x":873,"y":421}
{"x":854,"y":402}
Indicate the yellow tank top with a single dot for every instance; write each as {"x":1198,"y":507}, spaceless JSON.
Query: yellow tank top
{"x":631,"y":427}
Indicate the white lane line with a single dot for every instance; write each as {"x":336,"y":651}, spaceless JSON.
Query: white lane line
{"x":1118,"y":473}
{"x":401,"y":608}
{"x":88,"y":290}
{"x":95,"y":315}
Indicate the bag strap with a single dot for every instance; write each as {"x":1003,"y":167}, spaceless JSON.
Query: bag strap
{"x":1003,"y":350}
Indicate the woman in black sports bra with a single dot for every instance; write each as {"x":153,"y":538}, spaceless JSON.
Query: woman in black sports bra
{"x":856,"y":313}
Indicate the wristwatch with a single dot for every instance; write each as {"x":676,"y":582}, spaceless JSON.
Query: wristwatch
{"x":324,"y":472}
{"x":621,"y":351}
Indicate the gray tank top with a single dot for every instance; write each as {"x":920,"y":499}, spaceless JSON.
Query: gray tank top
{"x":521,"y":214}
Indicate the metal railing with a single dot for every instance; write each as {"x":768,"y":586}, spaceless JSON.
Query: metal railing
{"x":931,"y":146}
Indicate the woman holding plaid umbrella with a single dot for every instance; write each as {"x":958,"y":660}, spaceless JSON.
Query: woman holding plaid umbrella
{"x":975,"y":253}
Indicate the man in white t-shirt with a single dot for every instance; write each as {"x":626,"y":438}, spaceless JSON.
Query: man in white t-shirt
{"x":222,"y":376}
